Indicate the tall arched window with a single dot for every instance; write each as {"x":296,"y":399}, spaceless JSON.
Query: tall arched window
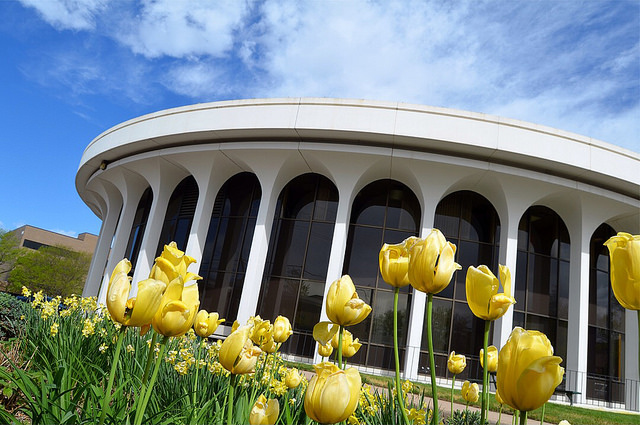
{"x":385,"y":211}
{"x":138,"y":226}
{"x":298,"y":257}
{"x":469,"y":221}
{"x":226,"y":250}
{"x":542,"y":276}
{"x":605,"y":356}
{"x":179,"y":215}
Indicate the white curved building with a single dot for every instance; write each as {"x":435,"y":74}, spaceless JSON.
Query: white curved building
{"x":277,"y":198}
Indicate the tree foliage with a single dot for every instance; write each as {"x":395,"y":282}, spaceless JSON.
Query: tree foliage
{"x":52,"y":269}
{"x":9,"y":252}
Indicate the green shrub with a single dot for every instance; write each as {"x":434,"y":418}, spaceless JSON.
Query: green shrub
{"x":11,"y":309}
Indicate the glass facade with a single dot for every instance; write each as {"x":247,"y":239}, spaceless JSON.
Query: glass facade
{"x":298,"y":257}
{"x":542,"y":276}
{"x":179,"y":215}
{"x":384,"y":211}
{"x":228,"y":243}
{"x":469,"y":221}
{"x":138,"y":226}
{"x":605,"y":358}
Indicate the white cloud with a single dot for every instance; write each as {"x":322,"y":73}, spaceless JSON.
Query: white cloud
{"x":68,"y":14}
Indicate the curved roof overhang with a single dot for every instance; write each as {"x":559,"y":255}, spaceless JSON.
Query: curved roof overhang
{"x":369,"y":123}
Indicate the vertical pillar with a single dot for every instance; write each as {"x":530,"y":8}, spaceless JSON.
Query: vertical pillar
{"x":631,"y":371}
{"x":508,"y":256}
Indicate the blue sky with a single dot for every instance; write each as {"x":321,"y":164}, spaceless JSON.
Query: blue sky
{"x":74,"y":68}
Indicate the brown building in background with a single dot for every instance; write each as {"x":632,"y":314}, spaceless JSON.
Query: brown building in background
{"x":34,"y":238}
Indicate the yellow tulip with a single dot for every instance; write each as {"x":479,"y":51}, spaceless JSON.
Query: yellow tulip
{"x":394,"y":262}
{"x":325,"y":350}
{"x":482,"y":292}
{"x":269,"y":345}
{"x":624,"y":252}
{"x":498,"y":397}
{"x":492,"y":358}
{"x":470,"y":392}
{"x":138,"y":311}
{"x":178,"y":309}
{"x":350,"y":346}
{"x":238,"y":354}
{"x":261,"y":330}
{"x":281,"y":329}
{"x":431,"y":263}
{"x":456,"y":363}
{"x":333,"y":394}
{"x":206,"y":323}
{"x":293,"y":378}
{"x":528,"y":372}
{"x":172,"y":263}
{"x":343,"y":305}
{"x":264,"y":412}
{"x":323,"y":332}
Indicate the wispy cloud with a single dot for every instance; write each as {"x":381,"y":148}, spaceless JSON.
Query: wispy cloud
{"x":572,"y":65}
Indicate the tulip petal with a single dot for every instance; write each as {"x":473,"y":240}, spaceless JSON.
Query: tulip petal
{"x":148,"y":300}
{"x":323,"y":332}
{"x":538,"y":382}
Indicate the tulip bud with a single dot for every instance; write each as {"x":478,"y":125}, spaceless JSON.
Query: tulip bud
{"x":492,"y":358}
{"x":343,"y":305}
{"x":482,"y":292}
{"x":624,"y":253}
{"x":470,"y":392}
{"x":206,"y":323}
{"x":264,"y":412}
{"x":238,"y":354}
{"x":261,"y":330}
{"x":178,"y":309}
{"x":293,"y":378}
{"x":350,"y":346}
{"x":528,"y":372}
{"x":325,"y":350}
{"x":431,"y":263}
{"x":333,"y":394}
{"x":394,"y":264}
{"x":281,"y":329}
{"x":456,"y":363}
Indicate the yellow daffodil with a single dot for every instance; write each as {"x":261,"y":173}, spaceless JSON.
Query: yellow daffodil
{"x":624,"y":252}
{"x":482,"y":292}
{"x":492,"y":358}
{"x":264,"y":412}
{"x":293,"y":378}
{"x":137,"y":311}
{"x":238,"y":354}
{"x":281,"y":329}
{"x":333,"y":394}
{"x":343,"y":305}
{"x":206,"y":323}
{"x":456,"y":363}
{"x":394,"y":262}
{"x":470,"y":392}
{"x":178,"y":309}
{"x":528,"y":372}
{"x":431,"y":263}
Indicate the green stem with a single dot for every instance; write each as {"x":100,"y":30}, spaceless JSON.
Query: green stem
{"x":232,"y":386}
{"x":499,"y":416}
{"x":399,"y":394}
{"x":340,"y":346}
{"x":195,"y":382}
{"x":112,"y":374}
{"x":149,"y":389}
{"x":485,"y":372}
{"x":147,"y":366}
{"x":523,"y":417}
{"x":542,"y":418}
{"x":453,"y":383}
{"x":432,"y":363}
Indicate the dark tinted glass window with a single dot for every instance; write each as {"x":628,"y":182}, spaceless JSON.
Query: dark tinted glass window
{"x":385,"y":211}
{"x":469,"y":221}
{"x":138,"y":227}
{"x":605,"y":358}
{"x":228,"y":243}
{"x":298,"y":257}
{"x":179,"y":215}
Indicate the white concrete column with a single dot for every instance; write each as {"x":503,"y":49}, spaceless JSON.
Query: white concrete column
{"x":631,"y":353}
{"x":508,"y":256}
{"x":132,"y":187}
{"x":258,"y":253}
{"x":99,"y":260}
